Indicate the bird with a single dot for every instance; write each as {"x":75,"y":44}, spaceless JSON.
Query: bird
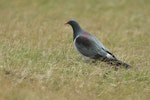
{"x":90,"y":47}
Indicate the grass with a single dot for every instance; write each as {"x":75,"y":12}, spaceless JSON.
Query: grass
{"x":38,"y":60}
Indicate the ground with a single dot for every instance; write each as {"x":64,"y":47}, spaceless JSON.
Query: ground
{"x":38,"y":60}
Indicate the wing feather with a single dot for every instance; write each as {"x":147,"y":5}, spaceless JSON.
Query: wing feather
{"x":85,"y":46}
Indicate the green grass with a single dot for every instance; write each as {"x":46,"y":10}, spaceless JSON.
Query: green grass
{"x":38,"y":60}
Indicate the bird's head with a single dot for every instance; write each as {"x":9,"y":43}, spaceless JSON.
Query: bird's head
{"x":75,"y":26}
{"x":72,"y":23}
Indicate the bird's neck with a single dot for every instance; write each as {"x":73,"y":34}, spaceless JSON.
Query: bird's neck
{"x":76,"y":28}
{"x":74,"y":35}
{"x":76,"y":31}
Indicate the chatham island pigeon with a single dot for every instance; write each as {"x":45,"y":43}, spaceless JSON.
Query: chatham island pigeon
{"x":90,"y":47}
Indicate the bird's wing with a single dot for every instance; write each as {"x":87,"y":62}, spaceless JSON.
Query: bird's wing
{"x":106,"y":51}
{"x":86,"y":46}
{"x":89,"y":46}
{"x":109,"y":55}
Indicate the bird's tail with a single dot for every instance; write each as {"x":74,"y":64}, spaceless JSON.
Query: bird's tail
{"x":117,"y":62}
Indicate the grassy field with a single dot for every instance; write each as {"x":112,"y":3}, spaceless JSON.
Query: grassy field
{"x":38,"y":60}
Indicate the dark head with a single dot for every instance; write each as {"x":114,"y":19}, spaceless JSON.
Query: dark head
{"x":75,"y":26}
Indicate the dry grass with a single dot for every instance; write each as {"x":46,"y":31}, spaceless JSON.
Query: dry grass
{"x":38,"y":60}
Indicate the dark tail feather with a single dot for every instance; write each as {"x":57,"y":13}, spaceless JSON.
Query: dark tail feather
{"x":114,"y":61}
{"x":117,"y":62}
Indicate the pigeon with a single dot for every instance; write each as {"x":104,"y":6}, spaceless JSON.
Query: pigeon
{"x":91,"y":48}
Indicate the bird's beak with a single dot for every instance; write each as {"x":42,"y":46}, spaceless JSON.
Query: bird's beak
{"x":66,"y":23}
